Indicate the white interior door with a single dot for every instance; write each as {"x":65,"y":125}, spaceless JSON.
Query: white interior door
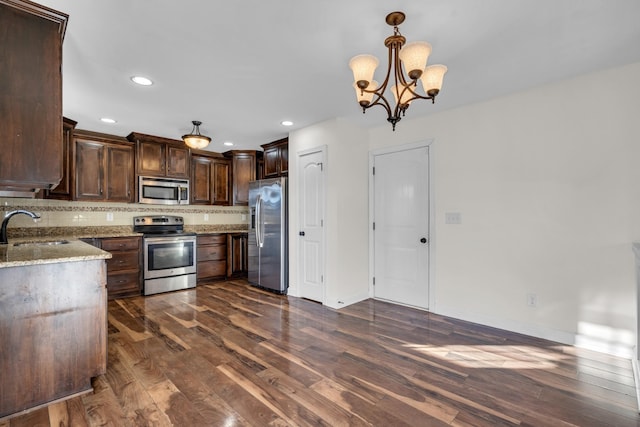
{"x":401,"y":234}
{"x":311,"y":169}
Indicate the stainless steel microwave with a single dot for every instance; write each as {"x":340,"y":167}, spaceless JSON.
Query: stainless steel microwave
{"x":163,"y":191}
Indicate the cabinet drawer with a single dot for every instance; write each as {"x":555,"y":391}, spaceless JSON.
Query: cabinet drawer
{"x":212,"y":239}
{"x":121,"y":261}
{"x":123,"y":244}
{"x":212,"y":253}
{"x":119,"y":284}
{"x":212,"y":268}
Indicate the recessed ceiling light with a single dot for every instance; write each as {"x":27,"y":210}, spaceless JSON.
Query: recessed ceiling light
{"x":107,"y":120}
{"x":286,"y":123}
{"x":143,"y":81}
{"x":228,"y":143}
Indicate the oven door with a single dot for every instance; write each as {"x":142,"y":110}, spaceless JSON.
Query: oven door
{"x":169,"y":256}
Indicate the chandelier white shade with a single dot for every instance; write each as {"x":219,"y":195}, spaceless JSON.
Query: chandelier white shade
{"x":413,"y":58}
{"x":195,"y":139}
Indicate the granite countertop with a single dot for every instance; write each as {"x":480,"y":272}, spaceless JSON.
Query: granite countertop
{"x":17,"y":254}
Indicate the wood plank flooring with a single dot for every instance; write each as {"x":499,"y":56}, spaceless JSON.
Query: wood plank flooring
{"x":228,"y":354}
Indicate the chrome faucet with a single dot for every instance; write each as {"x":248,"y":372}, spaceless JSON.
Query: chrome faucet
{"x":5,"y":222}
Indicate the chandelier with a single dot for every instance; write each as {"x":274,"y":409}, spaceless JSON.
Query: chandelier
{"x":413,"y":56}
{"x":195,"y":139}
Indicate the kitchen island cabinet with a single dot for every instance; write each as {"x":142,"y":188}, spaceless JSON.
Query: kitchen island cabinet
{"x":53,"y":323}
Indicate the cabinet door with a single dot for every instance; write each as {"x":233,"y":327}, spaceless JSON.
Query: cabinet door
{"x":151,"y":158}
{"x":89,"y":175}
{"x":63,"y":190}
{"x":271,"y":162}
{"x":244,"y":171}
{"x":221,"y":175}
{"x":177,"y":162}
{"x":284,"y":159}
{"x":30,"y":96}
{"x":237,"y":248}
{"x":201,"y":180}
{"x":119,"y":174}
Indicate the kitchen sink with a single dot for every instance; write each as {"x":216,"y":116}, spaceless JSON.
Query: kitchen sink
{"x":49,"y":243}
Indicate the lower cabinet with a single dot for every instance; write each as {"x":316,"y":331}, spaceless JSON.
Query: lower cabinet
{"x":237,"y":250}
{"x":123,"y":268}
{"x":212,"y":257}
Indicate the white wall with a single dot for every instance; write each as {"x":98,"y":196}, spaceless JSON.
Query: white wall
{"x":548,"y":186}
{"x":346,"y":227}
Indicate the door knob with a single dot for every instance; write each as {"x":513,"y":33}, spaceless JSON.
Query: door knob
{"x":423,"y":240}
{"x":301,"y":233}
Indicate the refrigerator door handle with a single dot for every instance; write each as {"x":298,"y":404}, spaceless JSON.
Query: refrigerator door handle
{"x":259,"y":240}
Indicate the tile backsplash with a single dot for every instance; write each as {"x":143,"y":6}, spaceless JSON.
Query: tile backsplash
{"x":57,"y":213}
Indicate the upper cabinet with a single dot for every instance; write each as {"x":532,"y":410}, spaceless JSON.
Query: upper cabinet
{"x":103,"y":166}
{"x":243,"y":166}
{"x":30,"y":97}
{"x":63,"y":190}
{"x":276,"y":159}
{"x":162,"y":157}
{"x":210,"y":179}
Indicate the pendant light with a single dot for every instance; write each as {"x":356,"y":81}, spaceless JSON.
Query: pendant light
{"x":195,"y":139}
{"x":413,"y":57}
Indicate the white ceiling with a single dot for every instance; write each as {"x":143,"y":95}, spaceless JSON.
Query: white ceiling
{"x":243,"y":66}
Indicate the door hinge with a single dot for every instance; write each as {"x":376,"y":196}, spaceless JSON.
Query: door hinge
{"x":374,"y":170}
{"x":322,"y":223}
{"x":374,"y":281}
{"x":321,"y":278}
{"x":321,"y":167}
{"x":374,"y":226}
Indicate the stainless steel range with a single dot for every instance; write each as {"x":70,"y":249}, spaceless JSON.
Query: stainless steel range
{"x":169,"y":253}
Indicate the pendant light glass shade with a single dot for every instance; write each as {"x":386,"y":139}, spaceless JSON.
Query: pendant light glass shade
{"x":195,"y":139}
{"x":432,"y":79}
{"x":363,"y":67}
{"x":365,"y":98}
{"x":405,"y":97}
{"x":414,"y":57}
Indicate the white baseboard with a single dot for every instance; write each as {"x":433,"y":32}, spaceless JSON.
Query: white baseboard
{"x":563,"y":337}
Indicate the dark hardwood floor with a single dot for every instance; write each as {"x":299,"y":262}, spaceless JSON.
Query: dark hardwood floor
{"x":228,"y":354}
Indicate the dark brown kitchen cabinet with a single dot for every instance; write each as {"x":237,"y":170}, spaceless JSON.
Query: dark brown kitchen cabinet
{"x":212,"y":257}
{"x":63,"y":191}
{"x":124,"y":272}
{"x":161,"y":157}
{"x":243,"y":170}
{"x":30,"y":97}
{"x":53,"y":335}
{"x":123,"y":269}
{"x":103,"y":168}
{"x":210,"y":179}
{"x":237,"y":250}
{"x":276,"y":158}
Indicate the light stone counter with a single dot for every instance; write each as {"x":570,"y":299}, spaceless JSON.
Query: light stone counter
{"x":37,"y":253}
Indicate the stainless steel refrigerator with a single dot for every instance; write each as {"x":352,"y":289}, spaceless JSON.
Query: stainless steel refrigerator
{"x":268,"y":237}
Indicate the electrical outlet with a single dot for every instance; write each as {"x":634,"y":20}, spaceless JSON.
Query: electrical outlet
{"x":109,"y":216}
{"x":532,"y":300}
{"x":453,"y":218}
{"x":244,"y":217}
{"x":206,"y":217}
